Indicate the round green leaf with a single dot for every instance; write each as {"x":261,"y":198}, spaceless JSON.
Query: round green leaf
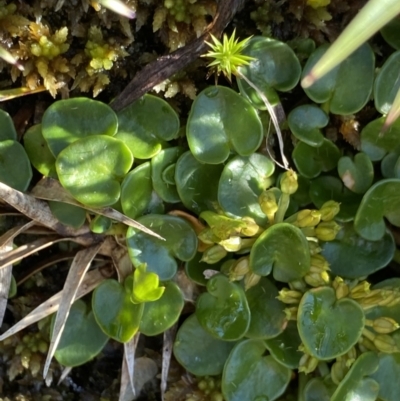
{"x":100,"y":224}
{"x":197,"y":183}
{"x":358,"y":174}
{"x":250,"y":375}
{"x":318,"y":390}
{"x":390,"y":33}
{"x":198,"y":352}
{"x":270,"y":251}
{"x":306,"y":122}
{"x":381,"y":200}
{"x":91,"y":169}
{"x":267,"y":313}
{"x":242,"y":182}
{"x":15,"y":167}
{"x":276,"y":67}
{"x":328,"y":327}
{"x":180,"y":242}
{"x":375,"y":145}
{"x":66,"y":121}
{"x":387,"y":376}
{"x":39,"y":152}
{"x":387,"y":83}
{"x":327,"y":188}
{"x":223,"y":310}
{"x":67,"y":214}
{"x":7,"y":130}
{"x":284,"y":347}
{"x":357,"y":383}
{"x":159,"y":163}
{"x":221,"y":121}
{"x":352,"y":256}
{"x":160,"y":315}
{"x":311,"y":161}
{"x":114,"y":311}
{"x":146,"y":125}
{"x":337,"y":88}
{"x":81,"y":339}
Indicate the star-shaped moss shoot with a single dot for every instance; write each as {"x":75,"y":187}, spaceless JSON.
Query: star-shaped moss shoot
{"x":227,"y":55}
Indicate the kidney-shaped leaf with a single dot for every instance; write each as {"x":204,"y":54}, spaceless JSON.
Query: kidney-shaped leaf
{"x":66,"y":121}
{"x":223,"y":311}
{"x":197,"y":183}
{"x":199,"y":352}
{"x":242,"y":182}
{"x":352,"y":256}
{"x":319,"y":390}
{"x":82,"y":339}
{"x":328,"y":327}
{"x":222,"y":121}
{"x":250,"y":375}
{"x":160,"y":315}
{"x":306,"y":122}
{"x":91,"y":169}
{"x":283,"y":248}
{"x":381,"y":200}
{"x":276,"y":67}
{"x":347,"y":88}
{"x":387,"y":376}
{"x":114,"y":311}
{"x":180,"y":242}
{"x":145,"y":126}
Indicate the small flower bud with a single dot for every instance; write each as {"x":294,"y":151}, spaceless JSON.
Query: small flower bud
{"x":385,"y":344}
{"x":232,"y":244}
{"x":251,"y":228}
{"x":289,"y":296}
{"x":268,"y":204}
{"x":316,"y":279}
{"x":341,"y":288}
{"x":318,"y":264}
{"x":307,"y":364}
{"x":291,"y":313}
{"x":207,"y":236}
{"x":307,"y":218}
{"x":360,"y":290}
{"x":327,"y":230}
{"x":385,"y":325}
{"x":289,"y":182}
{"x":213,"y":255}
{"x":329,"y":210}
{"x":250,"y":280}
{"x":238,"y":270}
{"x":338,"y":371}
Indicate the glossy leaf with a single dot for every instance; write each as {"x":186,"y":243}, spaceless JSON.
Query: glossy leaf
{"x":146,"y":286}
{"x":91,"y":169}
{"x":387,"y":376}
{"x":68,"y":214}
{"x":242,"y":182}
{"x":357,"y":383}
{"x":311,"y":161}
{"x":146,"y":125}
{"x":306,"y":122}
{"x":66,"y":121}
{"x":328,"y":327}
{"x":180,"y":242}
{"x":15,"y":168}
{"x":336,"y":88}
{"x":197,"y":351}
{"x":381,"y":200}
{"x":221,"y":121}
{"x":375,"y":145}
{"x":390,"y":165}
{"x":117,"y":316}
{"x":250,"y":375}
{"x":39,"y":152}
{"x":82,"y":339}
{"x":318,"y":390}
{"x":100,"y":224}
{"x":270,"y":252}
{"x":284,"y":347}
{"x":267,"y":313}
{"x":351,"y":256}
{"x":275,"y":68}
{"x":390,"y":33}
{"x":223,"y":311}
{"x":160,"y":315}
{"x":197,"y":183}
{"x":327,"y":188}
{"x":358,"y":174}
{"x":7,"y":130}
{"x":387,"y":83}
{"x":159,"y":163}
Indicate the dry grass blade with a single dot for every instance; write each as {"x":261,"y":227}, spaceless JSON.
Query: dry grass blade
{"x":129,"y":356}
{"x":169,"y":337}
{"x":37,"y":210}
{"x":6,"y":245}
{"x":51,"y":189}
{"x":64,"y":374}
{"x":91,"y":281}
{"x":76,"y":274}
{"x":12,"y":93}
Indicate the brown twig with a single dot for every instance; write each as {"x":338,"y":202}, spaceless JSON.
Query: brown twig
{"x":166,"y":66}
